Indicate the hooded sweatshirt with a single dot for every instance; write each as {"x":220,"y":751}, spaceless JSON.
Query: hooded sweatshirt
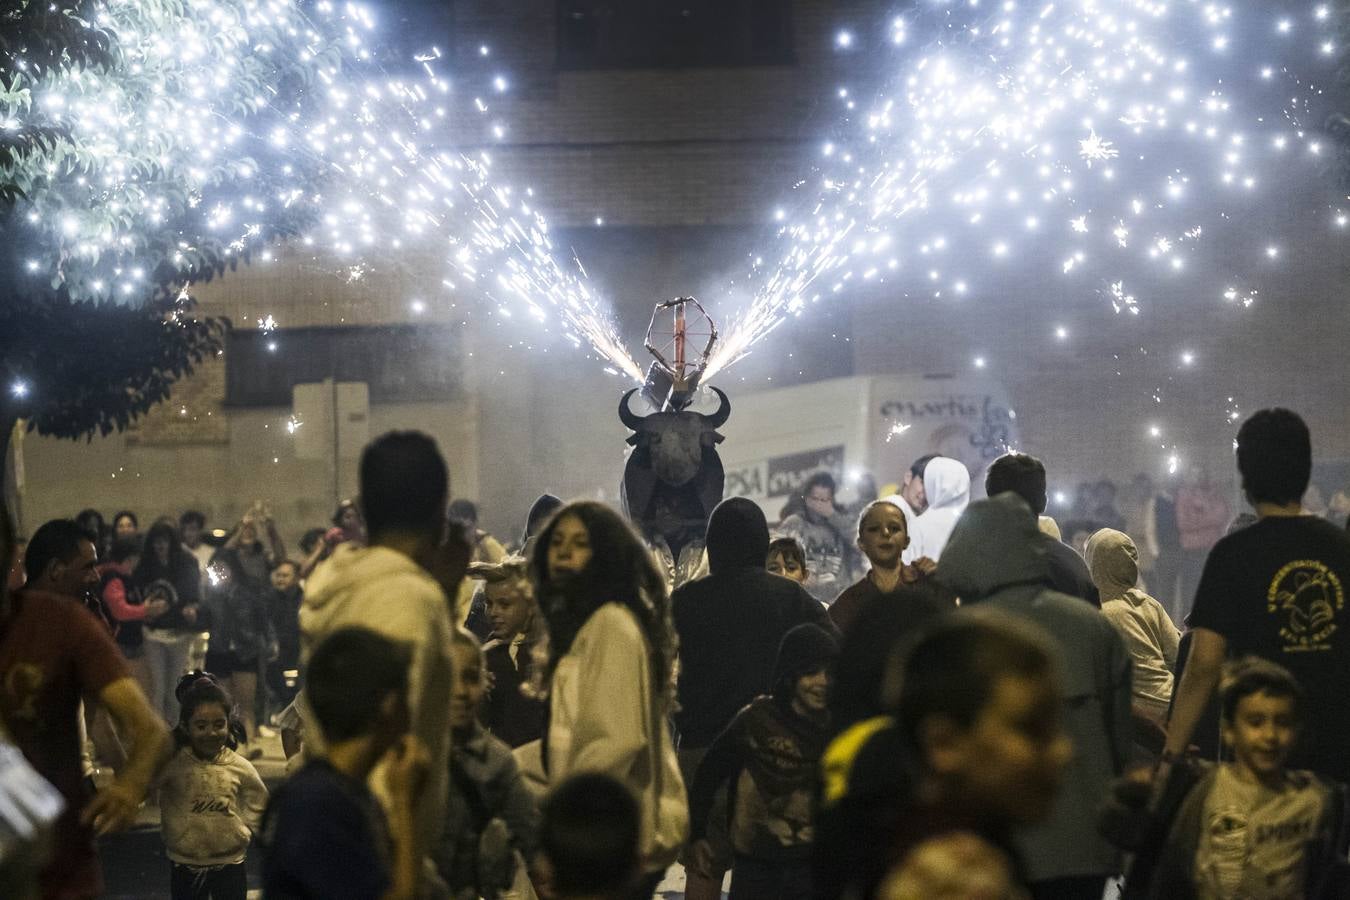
{"x":995,"y":556}
{"x":385,"y":591}
{"x":1149,"y":634}
{"x":731,"y":622}
{"x":947,"y":484}
{"x":770,"y":755}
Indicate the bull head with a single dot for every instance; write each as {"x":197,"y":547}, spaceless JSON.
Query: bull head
{"x":675,"y":441}
{"x":673,"y":452}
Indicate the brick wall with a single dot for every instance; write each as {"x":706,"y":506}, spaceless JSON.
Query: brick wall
{"x":194,"y":414}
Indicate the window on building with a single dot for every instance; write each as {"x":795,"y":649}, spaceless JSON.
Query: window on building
{"x":603,"y":34}
{"x":400,"y":363}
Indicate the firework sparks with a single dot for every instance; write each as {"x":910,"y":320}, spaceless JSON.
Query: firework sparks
{"x":983,"y":125}
{"x":1094,"y":149}
{"x":363,"y":160}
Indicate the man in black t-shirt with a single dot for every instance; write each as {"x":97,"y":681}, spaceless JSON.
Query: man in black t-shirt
{"x":1276,"y":590}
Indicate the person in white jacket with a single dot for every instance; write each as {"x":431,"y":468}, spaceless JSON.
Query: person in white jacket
{"x":611,"y":682}
{"x":1149,"y":634}
{"x":946,"y":483}
{"x":210,"y":798}
{"x":397,"y":587}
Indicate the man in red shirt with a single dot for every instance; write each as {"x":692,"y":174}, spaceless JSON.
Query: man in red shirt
{"x":53,"y":653}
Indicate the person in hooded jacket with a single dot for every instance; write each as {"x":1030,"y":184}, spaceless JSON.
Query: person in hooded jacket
{"x":946,"y":484}
{"x":541,"y":510}
{"x":731,"y":622}
{"x":995,"y":557}
{"x":1148,"y":631}
{"x":397,"y":587}
{"x":768,"y":759}
{"x":1024,"y":475}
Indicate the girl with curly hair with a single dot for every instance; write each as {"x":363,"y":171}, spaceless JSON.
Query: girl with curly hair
{"x":611,"y":670}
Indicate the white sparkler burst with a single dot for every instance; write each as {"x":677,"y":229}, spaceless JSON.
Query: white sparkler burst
{"x":897,"y":429}
{"x":1121,"y":300}
{"x":218,"y":118}
{"x":981,"y":124}
{"x":247,"y":120}
{"x":1095,"y":149}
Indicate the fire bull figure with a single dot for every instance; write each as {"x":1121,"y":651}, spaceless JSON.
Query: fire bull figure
{"x":673,"y":479}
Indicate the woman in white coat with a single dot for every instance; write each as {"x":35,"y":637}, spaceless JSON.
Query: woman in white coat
{"x":610,"y":681}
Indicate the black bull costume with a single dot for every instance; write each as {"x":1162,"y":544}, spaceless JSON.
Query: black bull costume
{"x":674,"y":476}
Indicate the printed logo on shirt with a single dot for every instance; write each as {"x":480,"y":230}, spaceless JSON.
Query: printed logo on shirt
{"x":23,"y":684}
{"x":1308,"y":597}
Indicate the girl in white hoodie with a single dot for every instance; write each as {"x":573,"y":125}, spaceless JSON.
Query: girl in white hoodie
{"x":210,"y":798}
{"x":611,"y":680}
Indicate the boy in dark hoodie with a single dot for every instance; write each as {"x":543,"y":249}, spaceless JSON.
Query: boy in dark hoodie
{"x":769,"y":755}
{"x":730,"y":624}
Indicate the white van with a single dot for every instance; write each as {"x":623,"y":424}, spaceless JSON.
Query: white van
{"x":875,"y":424}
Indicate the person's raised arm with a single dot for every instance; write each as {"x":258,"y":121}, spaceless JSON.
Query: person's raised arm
{"x":114,"y":807}
{"x":1201,"y":676}
{"x":276,"y":546}
{"x":315,"y":557}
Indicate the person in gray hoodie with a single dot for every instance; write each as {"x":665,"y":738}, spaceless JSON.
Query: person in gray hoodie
{"x":995,"y":556}
{"x":397,"y":587}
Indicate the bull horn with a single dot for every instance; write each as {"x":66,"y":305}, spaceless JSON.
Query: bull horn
{"x":719,"y":418}
{"x":630,"y":420}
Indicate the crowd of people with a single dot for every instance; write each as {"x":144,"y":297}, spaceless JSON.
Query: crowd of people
{"x":920,"y":696}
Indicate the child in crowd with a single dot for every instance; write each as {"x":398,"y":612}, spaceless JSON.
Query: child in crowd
{"x":282,"y":601}
{"x":770,"y":754}
{"x":787,"y":558}
{"x":883,"y":535}
{"x":210,"y":798}
{"x":1249,"y":827}
{"x":589,"y":840}
{"x":491,"y":816}
{"x":324,"y":836}
{"x":510,"y":711}
{"x":972,"y":747}
{"x":122,"y":599}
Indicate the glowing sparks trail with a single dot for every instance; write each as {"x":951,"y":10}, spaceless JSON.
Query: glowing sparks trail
{"x":218,"y":126}
{"x":979,"y":137}
{"x":1108,"y":138}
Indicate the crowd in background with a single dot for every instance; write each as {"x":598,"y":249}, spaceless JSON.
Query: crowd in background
{"x":915,"y":695}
